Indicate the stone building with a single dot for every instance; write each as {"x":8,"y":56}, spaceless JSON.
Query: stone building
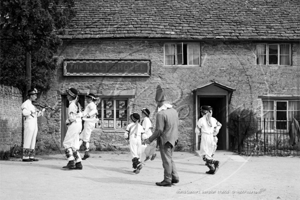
{"x":229,"y":54}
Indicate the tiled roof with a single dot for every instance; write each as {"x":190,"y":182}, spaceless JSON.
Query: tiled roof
{"x":187,"y":19}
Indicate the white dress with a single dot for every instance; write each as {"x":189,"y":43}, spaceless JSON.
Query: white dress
{"x":149,"y":149}
{"x":72,"y":136}
{"x":208,"y":143}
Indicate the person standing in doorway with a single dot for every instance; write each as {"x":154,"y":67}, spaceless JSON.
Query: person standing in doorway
{"x":89,"y":116}
{"x":166,"y":133}
{"x":208,"y":127}
{"x":30,"y":113}
{"x":74,"y":123}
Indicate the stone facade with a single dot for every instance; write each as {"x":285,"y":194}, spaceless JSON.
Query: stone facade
{"x":10,"y":119}
{"x":229,"y":63}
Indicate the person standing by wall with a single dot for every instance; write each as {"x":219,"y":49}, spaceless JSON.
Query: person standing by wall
{"x":166,"y":133}
{"x":208,"y":127}
{"x":74,"y":123}
{"x":89,"y":116}
{"x":30,"y":113}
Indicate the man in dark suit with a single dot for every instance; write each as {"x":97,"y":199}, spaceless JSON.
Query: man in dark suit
{"x":166,"y":133}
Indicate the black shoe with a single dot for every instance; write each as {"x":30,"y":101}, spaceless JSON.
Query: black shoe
{"x":153,"y":156}
{"x":147,"y":158}
{"x":164,"y":184}
{"x":27,"y":160}
{"x":175,"y":180}
{"x":70,"y":165}
{"x":216,"y":164}
{"x":34,"y":159}
{"x":78,"y":166}
{"x":86,"y":155}
{"x":210,"y":172}
{"x":137,"y":171}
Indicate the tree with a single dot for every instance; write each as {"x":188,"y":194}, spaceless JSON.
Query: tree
{"x":30,"y":31}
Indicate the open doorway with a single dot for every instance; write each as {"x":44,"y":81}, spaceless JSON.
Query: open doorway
{"x":218,"y":103}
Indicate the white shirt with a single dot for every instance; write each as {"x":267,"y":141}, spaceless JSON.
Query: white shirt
{"x":29,"y":110}
{"x":205,"y":128}
{"x":134,"y":130}
{"x":90,"y":110}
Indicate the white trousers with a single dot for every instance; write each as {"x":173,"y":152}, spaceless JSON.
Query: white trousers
{"x":135,"y":147}
{"x":30,"y":133}
{"x":87,"y":131}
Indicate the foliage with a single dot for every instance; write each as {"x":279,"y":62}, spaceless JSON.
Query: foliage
{"x":31,"y":26}
{"x":242,"y":123}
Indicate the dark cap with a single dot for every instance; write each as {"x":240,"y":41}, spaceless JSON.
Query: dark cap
{"x":135,"y":117}
{"x":160,"y":94}
{"x":72,"y":92}
{"x":146,"y":111}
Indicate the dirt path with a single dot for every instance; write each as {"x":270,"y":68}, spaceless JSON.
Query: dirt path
{"x":108,"y":175}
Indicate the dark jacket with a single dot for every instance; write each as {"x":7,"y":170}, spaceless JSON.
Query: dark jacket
{"x":166,"y":128}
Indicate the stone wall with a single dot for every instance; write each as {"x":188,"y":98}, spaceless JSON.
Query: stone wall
{"x":10,"y":119}
{"x":231,"y":64}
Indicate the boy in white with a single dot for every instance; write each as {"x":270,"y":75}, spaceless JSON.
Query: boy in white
{"x":134,"y":133}
{"x":30,"y":113}
{"x":74,"y":123}
{"x":149,"y":150}
{"x":89,"y":116}
{"x":208,"y":127}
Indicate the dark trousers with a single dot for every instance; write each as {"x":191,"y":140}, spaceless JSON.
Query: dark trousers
{"x":166,"y":152}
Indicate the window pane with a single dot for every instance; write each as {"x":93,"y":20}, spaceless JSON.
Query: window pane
{"x":261,"y":54}
{"x":273,"y":54}
{"x":281,"y":105}
{"x":268,"y":105}
{"x":284,"y":60}
{"x":170,"y":54}
{"x":179,"y":54}
{"x":284,"y":49}
{"x":194,"y":54}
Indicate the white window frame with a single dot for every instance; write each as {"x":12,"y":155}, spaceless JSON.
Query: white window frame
{"x":266,"y":46}
{"x":274,"y":110}
{"x":114,"y":113}
{"x":182,"y":43}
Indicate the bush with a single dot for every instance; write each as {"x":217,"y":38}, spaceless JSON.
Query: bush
{"x":242,"y":123}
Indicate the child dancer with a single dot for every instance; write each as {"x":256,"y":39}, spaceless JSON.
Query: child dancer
{"x":208,"y":127}
{"x":147,"y":125}
{"x":134,"y":133}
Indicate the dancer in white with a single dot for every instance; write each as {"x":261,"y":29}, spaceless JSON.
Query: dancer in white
{"x":74,"y":123}
{"x":208,"y":127}
{"x":146,"y":123}
{"x":89,"y":116}
{"x":30,"y":113}
{"x":134,"y":133}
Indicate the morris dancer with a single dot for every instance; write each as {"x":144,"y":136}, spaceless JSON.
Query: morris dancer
{"x":134,"y":133}
{"x":74,"y":123}
{"x":89,"y":116}
{"x":147,"y":125}
{"x":30,"y":113}
{"x":208,"y":127}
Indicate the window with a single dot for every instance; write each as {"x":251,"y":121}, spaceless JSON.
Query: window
{"x":113,"y":113}
{"x":273,"y":54}
{"x":182,"y":54}
{"x":278,"y":113}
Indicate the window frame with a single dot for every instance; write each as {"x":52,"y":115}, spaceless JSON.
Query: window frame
{"x":267,"y":54}
{"x":274,"y":110}
{"x":188,"y":44}
{"x":101,"y":109}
